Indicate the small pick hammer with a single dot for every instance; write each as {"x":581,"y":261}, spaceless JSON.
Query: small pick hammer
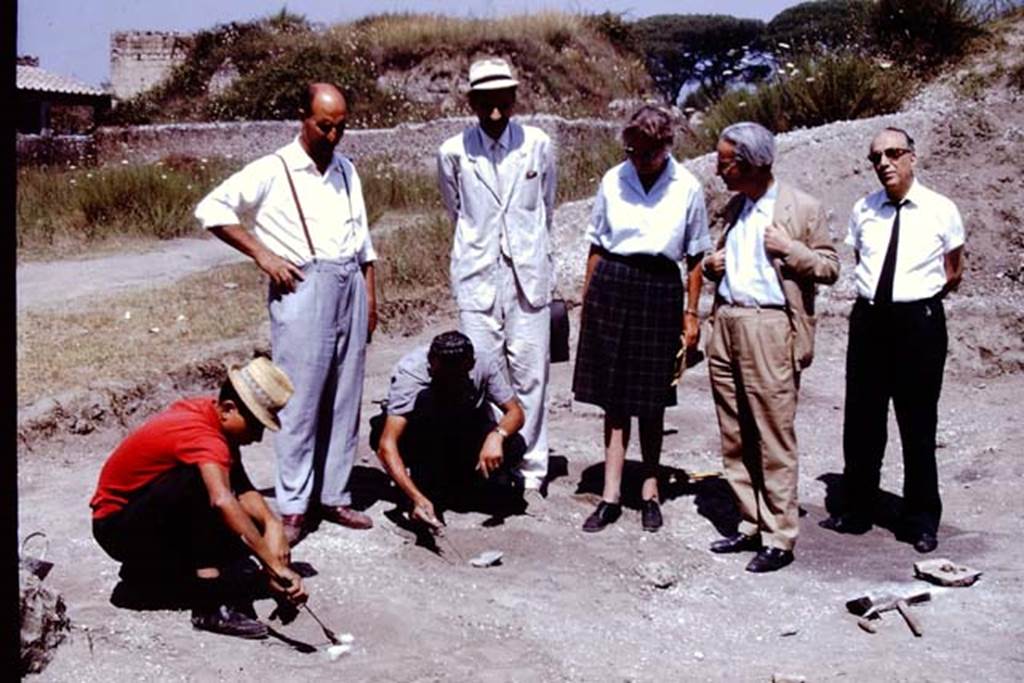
{"x":869,"y":607}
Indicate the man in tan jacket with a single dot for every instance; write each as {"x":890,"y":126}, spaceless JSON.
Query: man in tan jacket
{"x":774,"y":248}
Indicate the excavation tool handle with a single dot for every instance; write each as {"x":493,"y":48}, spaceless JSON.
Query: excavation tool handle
{"x":286,"y":582}
{"x":911,"y":620}
{"x":866,"y":625}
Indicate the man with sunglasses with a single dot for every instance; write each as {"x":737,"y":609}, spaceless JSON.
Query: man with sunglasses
{"x":497,"y":181}
{"x":773,"y":250}
{"x":908,"y":242}
{"x":312,"y":239}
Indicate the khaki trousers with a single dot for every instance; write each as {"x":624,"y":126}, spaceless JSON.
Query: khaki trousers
{"x":754,"y":382}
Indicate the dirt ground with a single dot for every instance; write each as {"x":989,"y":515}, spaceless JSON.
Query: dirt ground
{"x":624,"y":605}
{"x":569,"y":606}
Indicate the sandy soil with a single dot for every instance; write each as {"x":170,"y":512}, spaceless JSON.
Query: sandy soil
{"x":568,"y":606}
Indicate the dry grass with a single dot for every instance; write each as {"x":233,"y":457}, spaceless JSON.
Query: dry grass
{"x":58,"y":351}
{"x":402,"y":32}
{"x":127,"y":338}
{"x":414,"y":255}
{"x":62,"y":210}
{"x":565,"y":65}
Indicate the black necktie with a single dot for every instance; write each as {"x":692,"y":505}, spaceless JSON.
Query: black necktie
{"x":883,"y":292}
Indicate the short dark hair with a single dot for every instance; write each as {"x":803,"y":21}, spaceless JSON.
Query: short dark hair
{"x":905,"y":134}
{"x":450,"y":347}
{"x":229,"y":393}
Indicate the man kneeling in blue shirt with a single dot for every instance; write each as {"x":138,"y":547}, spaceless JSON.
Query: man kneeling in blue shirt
{"x":440,"y":425}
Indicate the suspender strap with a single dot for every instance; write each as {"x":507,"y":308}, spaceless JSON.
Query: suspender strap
{"x":298,"y":206}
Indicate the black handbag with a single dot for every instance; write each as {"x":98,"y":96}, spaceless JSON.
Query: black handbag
{"x":559,"y":331}
{"x":377,"y":424}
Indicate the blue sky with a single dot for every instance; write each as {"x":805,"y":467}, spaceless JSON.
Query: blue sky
{"x":72,"y":37}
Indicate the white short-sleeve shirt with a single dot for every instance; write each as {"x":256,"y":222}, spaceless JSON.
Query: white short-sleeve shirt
{"x":750,"y":279}
{"x":670,"y":220}
{"x":930,"y":227}
{"x":332,"y":204}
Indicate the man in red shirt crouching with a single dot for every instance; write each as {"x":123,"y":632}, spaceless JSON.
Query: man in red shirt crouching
{"x":175,"y":506}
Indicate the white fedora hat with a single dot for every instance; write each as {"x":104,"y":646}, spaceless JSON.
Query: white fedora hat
{"x":491,"y":73}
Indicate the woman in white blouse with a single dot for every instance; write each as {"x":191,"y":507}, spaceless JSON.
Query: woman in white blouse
{"x":648,"y":217}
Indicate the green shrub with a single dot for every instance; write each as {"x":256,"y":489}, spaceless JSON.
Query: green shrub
{"x":820,"y":24}
{"x":813,"y":92}
{"x":183,"y":94}
{"x":276,"y":88}
{"x":612,"y":26}
{"x":926,"y":33}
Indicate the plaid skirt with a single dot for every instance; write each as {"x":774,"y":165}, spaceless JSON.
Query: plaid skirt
{"x":632,"y":321}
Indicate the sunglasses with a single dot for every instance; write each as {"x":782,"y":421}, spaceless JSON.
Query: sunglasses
{"x":892,"y":154}
{"x":325,"y":128}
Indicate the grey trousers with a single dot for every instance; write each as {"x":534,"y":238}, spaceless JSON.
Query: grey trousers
{"x":318,"y":337}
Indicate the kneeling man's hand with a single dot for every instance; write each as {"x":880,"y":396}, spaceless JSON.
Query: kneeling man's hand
{"x":424,"y":512}
{"x":287,"y":583}
{"x":491,"y":454}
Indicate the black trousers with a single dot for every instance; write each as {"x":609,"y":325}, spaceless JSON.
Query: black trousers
{"x":441,"y":448}
{"x":895,"y":352}
{"x":168,"y":529}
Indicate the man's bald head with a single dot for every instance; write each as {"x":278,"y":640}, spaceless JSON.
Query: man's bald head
{"x":323,"y":118}
{"x":328,"y":92}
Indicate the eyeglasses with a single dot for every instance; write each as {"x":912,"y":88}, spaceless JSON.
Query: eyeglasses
{"x":891,"y":153}
{"x":724,"y":164}
{"x":648,"y":155}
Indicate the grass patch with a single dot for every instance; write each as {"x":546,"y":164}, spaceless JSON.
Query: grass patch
{"x":403,"y":37}
{"x":580,"y":168}
{"x":388,"y":188}
{"x":61,"y":207}
{"x":58,"y":351}
{"x":414,"y":255}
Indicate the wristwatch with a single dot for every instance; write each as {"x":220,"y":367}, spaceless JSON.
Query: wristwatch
{"x":501,"y":432}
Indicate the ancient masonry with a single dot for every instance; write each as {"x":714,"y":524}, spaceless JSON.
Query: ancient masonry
{"x":141,"y":59}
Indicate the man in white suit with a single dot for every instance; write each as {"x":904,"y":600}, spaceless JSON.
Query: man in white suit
{"x":497,"y":181}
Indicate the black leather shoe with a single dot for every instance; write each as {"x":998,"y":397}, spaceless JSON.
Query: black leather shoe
{"x":926,"y":542}
{"x":846,"y":524}
{"x":770,"y":560}
{"x":737,"y":543}
{"x":650,"y":515}
{"x":605,"y":514}
{"x":228,"y":622}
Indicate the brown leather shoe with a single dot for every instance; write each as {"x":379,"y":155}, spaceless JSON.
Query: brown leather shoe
{"x":345,"y":516}
{"x":294,"y":528}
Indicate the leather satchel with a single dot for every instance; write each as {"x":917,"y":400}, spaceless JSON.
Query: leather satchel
{"x":559,"y":331}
